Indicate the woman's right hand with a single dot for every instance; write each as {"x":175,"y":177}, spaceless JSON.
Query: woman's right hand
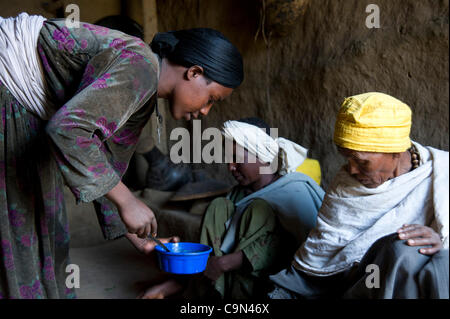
{"x":137,"y":217}
{"x":147,"y":246}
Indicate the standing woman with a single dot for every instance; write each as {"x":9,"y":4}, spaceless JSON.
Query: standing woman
{"x":73,"y":103}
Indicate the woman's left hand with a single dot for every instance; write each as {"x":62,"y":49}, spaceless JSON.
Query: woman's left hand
{"x":146,"y":246}
{"x":419,"y":235}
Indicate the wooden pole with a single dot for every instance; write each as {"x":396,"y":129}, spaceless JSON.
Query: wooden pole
{"x":150,"y":26}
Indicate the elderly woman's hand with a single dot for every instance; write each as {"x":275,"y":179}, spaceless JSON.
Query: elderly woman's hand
{"x":419,"y":235}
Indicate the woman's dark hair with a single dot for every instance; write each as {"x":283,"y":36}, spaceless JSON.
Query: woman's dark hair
{"x":208,"y":48}
{"x":256,"y":121}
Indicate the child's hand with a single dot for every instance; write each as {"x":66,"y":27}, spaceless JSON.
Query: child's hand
{"x":214,"y":268}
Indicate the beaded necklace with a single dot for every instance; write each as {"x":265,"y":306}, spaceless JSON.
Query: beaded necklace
{"x":415,"y":157}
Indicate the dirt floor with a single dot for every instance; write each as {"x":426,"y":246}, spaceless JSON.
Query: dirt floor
{"x":115,"y":269}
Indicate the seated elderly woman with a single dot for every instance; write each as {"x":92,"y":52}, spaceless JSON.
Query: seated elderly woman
{"x":255,"y":230}
{"x":382,"y":230}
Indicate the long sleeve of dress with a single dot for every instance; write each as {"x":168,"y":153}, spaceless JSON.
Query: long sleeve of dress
{"x":119,"y":152}
{"x":105,"y":81}
{"x":93,"y":123}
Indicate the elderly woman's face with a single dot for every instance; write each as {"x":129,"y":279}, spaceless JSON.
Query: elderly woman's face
{"x":370,"y":169}
{"x":246,"y":168}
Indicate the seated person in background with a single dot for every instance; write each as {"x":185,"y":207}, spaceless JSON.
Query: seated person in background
{"x":387,"y":208}
{"x":255,"y":230}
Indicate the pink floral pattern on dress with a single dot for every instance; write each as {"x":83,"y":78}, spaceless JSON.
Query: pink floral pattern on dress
{"x":68,"y":124}
{"x":63,"y":236}
{"x":96,"y":29}
{"x":139,"y":41}
{"x":87,"y":78}
{"x":83,"y":142}
{"x":136,"y":59}
{"x":53,"y":203}
{"x":28,"y":240}
{"x":83,"y":44}
{"x":16,"y":218}
{"x":62,"y":34}
{"x":49,"y":272}
{"x":8,"y":259}
{"x":68,"y":120}
{"x":125,"y":54}
{"x":107,"y":128}
{"x":34,"y":291}
{"x":70,"y":293}
{"x":117,"y":44}
{"x":120,"y":167}
{"x":101,"y":83}
{"x":65,"y":42}
{"x":109,"y":215}
{"x":126,"y":137}
{"x":98,"y":169}
{"x":44,"y":58}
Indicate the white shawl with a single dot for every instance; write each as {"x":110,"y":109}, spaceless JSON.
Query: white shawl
{"x":353,"y":217}
{"x":20,"y":68}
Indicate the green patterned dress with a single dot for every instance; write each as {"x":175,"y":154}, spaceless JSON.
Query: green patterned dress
{"x":104,"y":83}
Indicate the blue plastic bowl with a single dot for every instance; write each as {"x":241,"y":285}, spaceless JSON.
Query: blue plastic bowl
{"x":183,"y":258}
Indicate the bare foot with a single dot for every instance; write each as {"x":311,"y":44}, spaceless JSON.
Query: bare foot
{"x":162,"y":290}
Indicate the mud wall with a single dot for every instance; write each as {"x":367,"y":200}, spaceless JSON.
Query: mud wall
{"x":298,"y":82}
{"x":90,"y":10}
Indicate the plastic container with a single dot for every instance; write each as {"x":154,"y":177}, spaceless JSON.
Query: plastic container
{"x":183,"y":258}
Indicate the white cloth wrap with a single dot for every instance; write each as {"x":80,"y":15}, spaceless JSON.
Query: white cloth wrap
{"x":20,"y":68}
{"x":352,"y":217}
{"x":264,"y":147}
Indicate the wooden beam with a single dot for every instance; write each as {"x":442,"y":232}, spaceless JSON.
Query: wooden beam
{"x":150,"y":26}
{"x":150,"y":18}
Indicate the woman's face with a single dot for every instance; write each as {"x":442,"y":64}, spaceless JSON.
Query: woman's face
{"x":369,"y":168}
{"x":194,"y":94}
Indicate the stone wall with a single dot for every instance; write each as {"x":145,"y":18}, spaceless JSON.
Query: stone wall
{"x":299,"y":82}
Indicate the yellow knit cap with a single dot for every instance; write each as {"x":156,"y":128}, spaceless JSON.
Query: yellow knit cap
{"x":373,"y":122}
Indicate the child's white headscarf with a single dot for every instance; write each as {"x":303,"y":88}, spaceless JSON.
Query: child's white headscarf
{"x":265,"y":147}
